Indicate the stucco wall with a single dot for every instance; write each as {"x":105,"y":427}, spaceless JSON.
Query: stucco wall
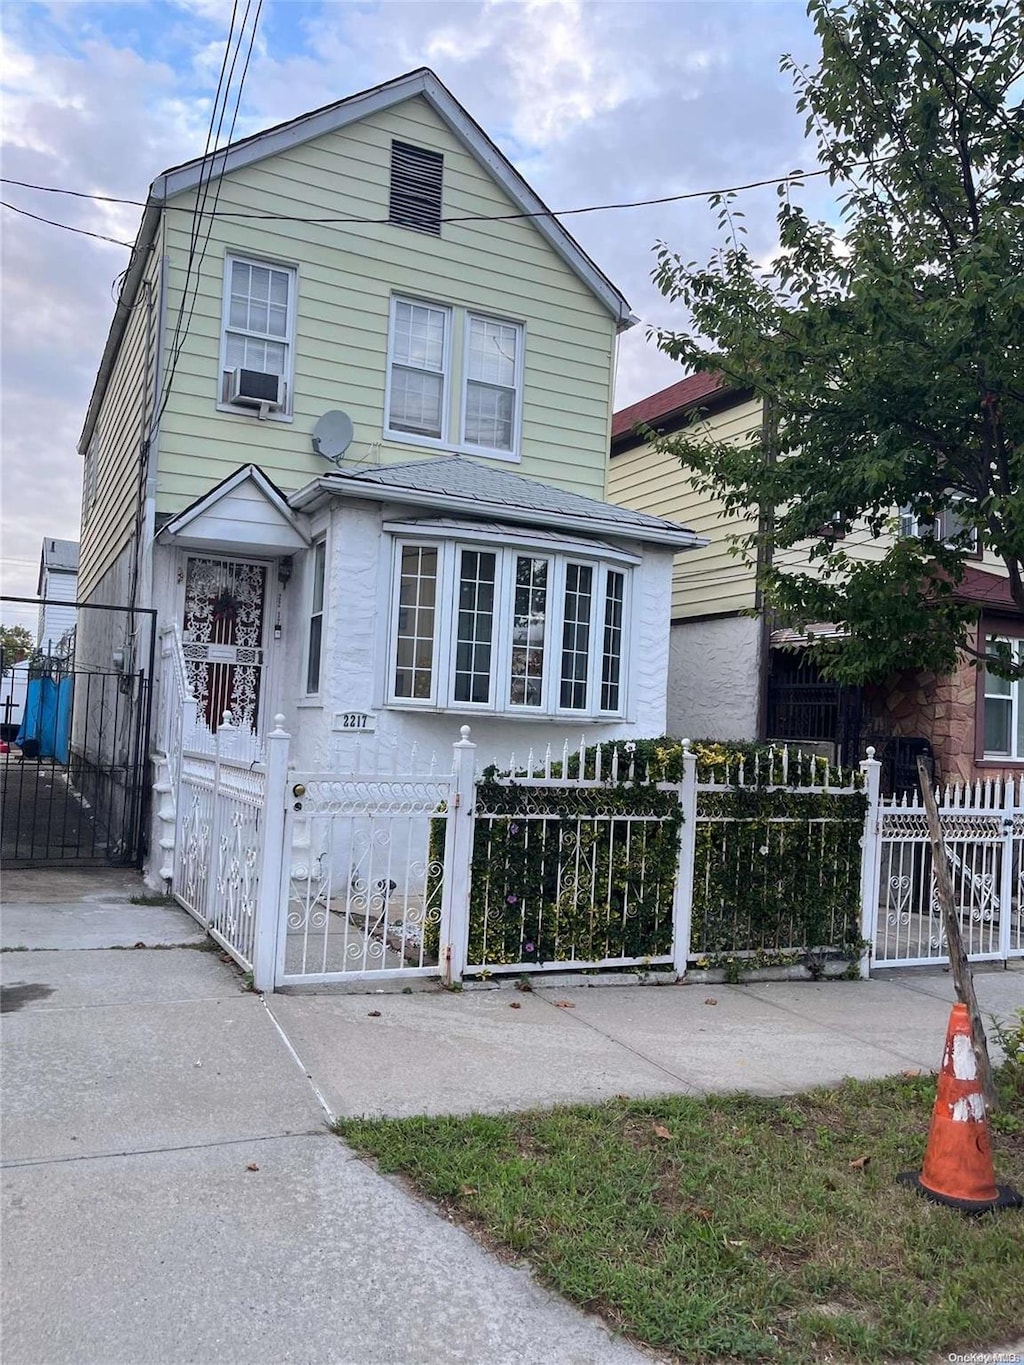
{"x":356,"y":631}
{"x":714,"y":678}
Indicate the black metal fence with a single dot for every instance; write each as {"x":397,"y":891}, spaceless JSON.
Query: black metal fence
{"x":74,"y":779}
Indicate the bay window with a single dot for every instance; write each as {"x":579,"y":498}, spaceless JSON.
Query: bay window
{"x":512,"y":630}
{"x":1004,"y":707}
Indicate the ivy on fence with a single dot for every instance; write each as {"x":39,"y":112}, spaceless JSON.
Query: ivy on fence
{"x":572,"y":874}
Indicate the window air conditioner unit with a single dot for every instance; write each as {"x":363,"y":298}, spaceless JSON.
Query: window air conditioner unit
{"x":254,"y":389}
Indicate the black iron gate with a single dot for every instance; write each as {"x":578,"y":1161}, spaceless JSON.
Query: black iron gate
{"x":74,"y":782}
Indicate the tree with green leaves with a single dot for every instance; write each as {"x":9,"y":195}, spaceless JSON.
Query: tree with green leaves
{"x":16,"y":643}
{"x":888,"y":349}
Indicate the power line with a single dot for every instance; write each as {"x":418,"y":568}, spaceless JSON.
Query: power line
{"x":100,"y":236}
{"x":790,"y":178}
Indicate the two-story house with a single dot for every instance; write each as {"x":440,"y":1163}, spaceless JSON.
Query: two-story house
{"x":58,"y":589}
{"x":735,"y":674}
{"x":349,"y":439}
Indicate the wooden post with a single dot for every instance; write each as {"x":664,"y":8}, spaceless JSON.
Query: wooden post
{"x":963,"y":980}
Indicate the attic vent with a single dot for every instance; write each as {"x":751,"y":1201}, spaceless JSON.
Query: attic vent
{"x":416,"y":188}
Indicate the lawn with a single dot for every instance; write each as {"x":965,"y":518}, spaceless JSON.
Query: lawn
{"x":735,"y":1227}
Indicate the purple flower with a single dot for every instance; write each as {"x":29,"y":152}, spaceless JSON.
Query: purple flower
{"x":529,"y":947}
{"x":513,"y":829}
{"x":511,"y":900}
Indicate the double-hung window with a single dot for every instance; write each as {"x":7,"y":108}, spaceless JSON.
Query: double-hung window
{"x":948,"y":526}
{"x":474,"y":404}
{"x":1004,"y":707}
{"x":517,"y":631}
{"x":418,"y":371}
{"x":316,"y":618}
{"x":258,"y":329}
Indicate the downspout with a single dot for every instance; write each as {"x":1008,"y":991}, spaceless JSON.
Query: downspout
{"x":765,"y":554}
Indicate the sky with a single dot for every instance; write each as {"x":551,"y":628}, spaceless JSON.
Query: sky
{"x":593,"y":102}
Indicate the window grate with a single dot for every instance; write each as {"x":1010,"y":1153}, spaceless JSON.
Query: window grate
{"x":416,"y":184}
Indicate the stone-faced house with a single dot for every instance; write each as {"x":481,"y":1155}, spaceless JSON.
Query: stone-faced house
{"x":734,"y":674}
{"x":349,"y":439}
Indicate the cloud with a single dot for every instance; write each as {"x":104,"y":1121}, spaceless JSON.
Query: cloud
{"x":592,"y":101}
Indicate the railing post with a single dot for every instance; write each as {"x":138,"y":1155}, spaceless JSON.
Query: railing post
{"x":682,"y":904}
{"x":870,"y":859}
{"x":1005,"y":900}
{"x":458,"y":858}
{"x":221,"y":747}
{"x":269,"y":909}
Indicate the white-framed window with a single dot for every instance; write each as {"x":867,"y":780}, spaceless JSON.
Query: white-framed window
{"x":258,"y":333}
{"x":948,"y":526}
{"x":316,"y":618}
{"x":475,"y":405}
{"x":492,"y":386}
{"x":510,"y":629}
{"x":1004,"y":707}
{"x":419,"y":364}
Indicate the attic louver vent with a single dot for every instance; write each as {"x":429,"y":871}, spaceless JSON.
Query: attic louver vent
{"x":416,"y":188}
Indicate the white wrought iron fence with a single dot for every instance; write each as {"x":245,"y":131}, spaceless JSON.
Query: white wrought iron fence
{"x":366,"y":882}
{"x":220,"y":842}
{"x":983,"y":828}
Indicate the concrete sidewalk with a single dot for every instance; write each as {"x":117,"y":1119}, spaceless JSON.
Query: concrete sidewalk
{"x":171,"y":1193}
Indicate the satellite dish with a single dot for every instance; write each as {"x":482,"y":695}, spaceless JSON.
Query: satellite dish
{"x":332,"y":435}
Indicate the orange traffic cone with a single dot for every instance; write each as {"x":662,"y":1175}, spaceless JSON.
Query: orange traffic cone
{"x":957,"y":1168}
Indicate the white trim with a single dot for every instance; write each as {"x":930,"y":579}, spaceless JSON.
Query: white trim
{"x":411,"y":437}
{"x":421,"y":82}
{"x":291,"y":269}
{"x":445,"y":642}
{"x":469,"y":315}
{"x":1015,"y":699}
{"x":245,"y":472}
{"x":510,"y":535}
{"x":320,"y":541}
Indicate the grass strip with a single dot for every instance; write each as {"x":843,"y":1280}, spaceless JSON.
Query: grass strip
{"x":734,"y":1227}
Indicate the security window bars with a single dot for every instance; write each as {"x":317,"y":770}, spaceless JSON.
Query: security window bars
{"x":417,"y":598}
{"x":419,"y":361}
{"x":611,"y":652}
{"x":525,"y":630}
{"x":579,"y":601}
{"x":316,"y":618}
{"x":492,"y":382}
{"x":417,"y":182}
{"x":1004,"y":712}
{"x":475,"y":637}
{"x":258,"y":318}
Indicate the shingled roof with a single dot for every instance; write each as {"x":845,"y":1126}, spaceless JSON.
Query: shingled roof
{"x":667,"y":403}
{"x":455,"y":483}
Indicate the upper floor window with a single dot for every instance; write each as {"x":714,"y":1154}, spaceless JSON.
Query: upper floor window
{"x":1004,"y":707}
{"x":507,"y":629}
{"x":948,"y":526}
{"x":417,"y":176}
{"x":421,"y":390}
{"x":258,"y":342}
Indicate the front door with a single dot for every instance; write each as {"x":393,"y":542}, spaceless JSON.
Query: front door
{"x":223,"y":638}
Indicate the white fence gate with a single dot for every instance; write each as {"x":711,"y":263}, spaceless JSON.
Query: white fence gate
{"x":983,"y":827}
{"x":311,"y":878}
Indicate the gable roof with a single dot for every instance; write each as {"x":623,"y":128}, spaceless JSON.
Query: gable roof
{"x":276,"y":525}
{"x":669,"y":403}
{"x":271,"y":141}
{"x":61,"y":555}
{"x":455,"y":483}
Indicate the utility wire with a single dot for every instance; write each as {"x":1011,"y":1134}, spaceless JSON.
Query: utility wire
{"x":789,"y":178}
{"x":99,"y":236}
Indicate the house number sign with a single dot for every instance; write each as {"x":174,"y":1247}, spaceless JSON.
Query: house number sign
{"x":363,"y":721}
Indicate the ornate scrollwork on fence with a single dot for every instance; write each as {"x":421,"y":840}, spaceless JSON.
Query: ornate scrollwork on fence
{"x":392,"y":797}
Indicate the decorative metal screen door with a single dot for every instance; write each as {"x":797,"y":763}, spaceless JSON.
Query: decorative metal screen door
{"x":223,"y":626}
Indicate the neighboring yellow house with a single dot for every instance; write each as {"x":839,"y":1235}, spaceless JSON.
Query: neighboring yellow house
{"x":733,"y":676}
{"x":349,"y":440}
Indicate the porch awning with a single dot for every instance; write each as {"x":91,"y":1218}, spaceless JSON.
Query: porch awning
{"x":800,"y":639}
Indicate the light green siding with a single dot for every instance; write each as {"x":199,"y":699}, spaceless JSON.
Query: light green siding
{"x":705,"y":582}
{"x":347,"y":274}
{"x":124,"y":419}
